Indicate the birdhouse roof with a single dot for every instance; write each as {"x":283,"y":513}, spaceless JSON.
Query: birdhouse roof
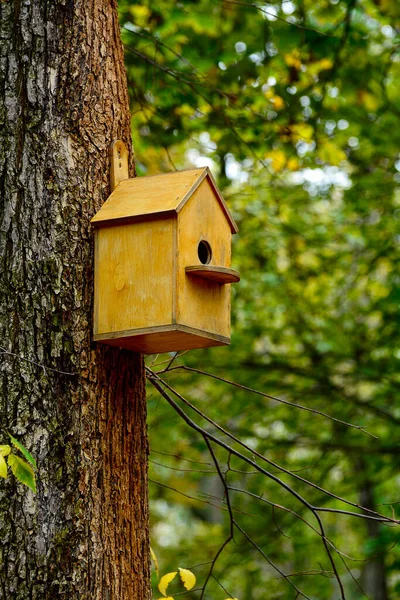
{"x":157,"y":195}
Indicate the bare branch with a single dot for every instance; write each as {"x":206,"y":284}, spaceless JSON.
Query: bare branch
{"x":261,"y":456}
{"x":206,"y":471}
{"x":208,"y":437}
{"x":32,"y":362}
{"x":276,"y":399}
{"x":199,"y":462}
{"x":272,"y":14}
{"x":168,"y":487}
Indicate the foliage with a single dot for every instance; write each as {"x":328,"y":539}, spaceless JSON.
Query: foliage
{"x":295,"y":108}
{"x":188,"y":579}
{"x":23,"y":470}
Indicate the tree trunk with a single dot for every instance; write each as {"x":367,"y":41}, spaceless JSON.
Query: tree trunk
{"x":373,"y":579}
{"x":63,"y":100}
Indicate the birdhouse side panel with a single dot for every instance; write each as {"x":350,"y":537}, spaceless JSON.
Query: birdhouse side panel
{"x":134,"y":276}
{"x":204,"y":237}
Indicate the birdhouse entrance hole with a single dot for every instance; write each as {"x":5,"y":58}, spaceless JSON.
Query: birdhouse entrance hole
{"x":204,"y":252}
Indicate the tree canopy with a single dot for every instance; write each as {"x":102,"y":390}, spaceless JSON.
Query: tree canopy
{"x":295,"y":107}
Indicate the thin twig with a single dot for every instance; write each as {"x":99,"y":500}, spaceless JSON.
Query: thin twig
{"x":168,"y":487}
{"x":207,"y":471}
{"x":276,"y":399}
{"x":269,"y":561}
{"x":230,"y":536}
{"x":261,"y":456}
{"x":32,"y":362}
{"x":199,"y":462}
{"x":157,"y":382}
{"x":272,"y":14}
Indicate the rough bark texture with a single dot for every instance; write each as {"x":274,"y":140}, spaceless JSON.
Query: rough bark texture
{"x":63,"y":99}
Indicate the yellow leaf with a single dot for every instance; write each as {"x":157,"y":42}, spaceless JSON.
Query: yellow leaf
{"x":293,"y":60}
{"x":325,"y":64}
{"x":321,"y":65}
{"x":140,"y":11}
{"x":302,"y":132}
{"x":188,"y":578}
{"x":184,"y":110}
{"x":293,"y":164}
{"x":330,"y":153}
{"x":155,"y":561}
{"x":277,"y":158}
{"x":165,"y":581}
{"x":3,"y":466}
{"x":369,"y":100}
{"x":5,"y":450}
{"x":278,"y":102}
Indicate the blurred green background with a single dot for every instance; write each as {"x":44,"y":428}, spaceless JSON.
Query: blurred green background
{"x":295,"y":108}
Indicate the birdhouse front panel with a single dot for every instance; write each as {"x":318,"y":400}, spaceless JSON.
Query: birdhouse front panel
{"x":134,"y":276}
{"x":162,"y":264}
{"x":204,"y":239}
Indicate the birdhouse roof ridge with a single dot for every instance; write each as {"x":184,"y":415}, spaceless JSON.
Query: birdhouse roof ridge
{"x":157,"y":195}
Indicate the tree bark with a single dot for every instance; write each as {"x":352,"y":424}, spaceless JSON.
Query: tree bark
{"x":78,"y":407}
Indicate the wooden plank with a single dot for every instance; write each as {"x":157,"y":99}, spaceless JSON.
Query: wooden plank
{"x":134,"y":279}
{"x":119,"y":167}
{"x":156,"y":340}
{"x":203,"y":304}
{"x":148,"y":195}
{"x":141,"y":196}
{"x":221,"y":275}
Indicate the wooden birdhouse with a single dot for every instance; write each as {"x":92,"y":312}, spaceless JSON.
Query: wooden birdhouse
{"x":162,"y":264}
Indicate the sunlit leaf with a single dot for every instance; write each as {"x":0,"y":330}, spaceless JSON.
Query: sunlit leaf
{"x":302,"y":132}
{"x":330,"y":153}
{"x":278,"y":102}
{"x":155,"y":561}
{"x":3,"y":466}
{"x":277,"y":158}
{"x":22,"y":471}
{"x":24,"y":451}
{"x":293,"y":60}
{"x":188,"y":578}
{"x":5,"y":450}
{"x":165,"y":581}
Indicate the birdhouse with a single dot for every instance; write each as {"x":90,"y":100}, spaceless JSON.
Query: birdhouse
{"x":162,"y":264}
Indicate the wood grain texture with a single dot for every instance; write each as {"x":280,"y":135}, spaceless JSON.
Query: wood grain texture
{"x":119,"y":163}
{"x":154,"y":340}
{"x":134,"y":276}
{"x":138,"y":198}
{"x":142,"y":287}
{"x":203,"y":304}
{"x":148,"y":195}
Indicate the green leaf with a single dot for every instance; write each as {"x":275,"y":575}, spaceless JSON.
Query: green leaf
{"x":24,"y":451}
{"x":3,"y":467}
{"x":22,"y":471}
{"x":5,"y":450}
